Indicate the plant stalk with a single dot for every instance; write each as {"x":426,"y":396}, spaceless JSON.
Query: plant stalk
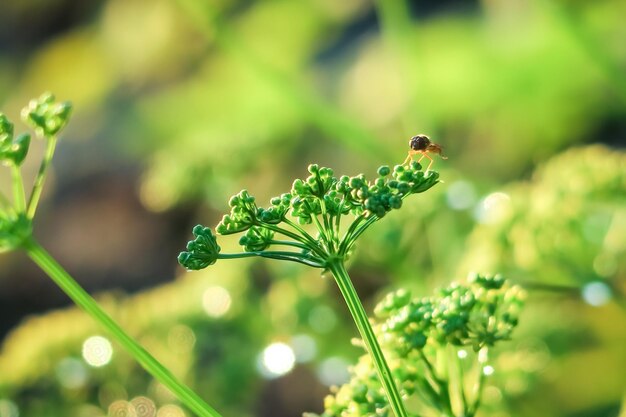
{"x":41,"y":177}
{"x":367,"y":333}
{"x":188,"y":397}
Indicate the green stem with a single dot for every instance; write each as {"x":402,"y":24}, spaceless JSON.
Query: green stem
{"x":356,"y":232}
{"x":18,"y":189}
{"x":303,"y":238}
{"x":281,"y":255}
{"x":89,"y":305}
{"x":442,"y":386}
{"x":461,"y":382}
{"x":367,"y":333}
{"x":478,"y":389}
{"x":321,"y":229}
{"x":289,"y":243}
{"x":328,"y":228}
{"x":41,"y":177}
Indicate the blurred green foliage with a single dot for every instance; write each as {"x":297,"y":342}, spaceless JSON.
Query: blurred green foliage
{"x":255,"y":91}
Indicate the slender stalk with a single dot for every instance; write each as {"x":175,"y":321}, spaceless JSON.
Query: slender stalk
{"x":19,"y":198}
{"x":289,"y":243}
{"x":188,"y":397}
{"x":330,"y":232}
{"x":367,"y":333}
{"x":442,"y":385}
{"x":461,"y":381}
{"x":41,"y":177}
{"x":478,"y":390}
{"x":349,"y":239}
{"x":281,"y":255}
{"x":305,"y":238}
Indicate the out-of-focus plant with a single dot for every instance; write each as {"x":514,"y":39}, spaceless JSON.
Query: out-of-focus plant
{"x":562,"y":235}
{"x":48,"y":117}
{"x":565,"y":228}
{"x":438,"y":348}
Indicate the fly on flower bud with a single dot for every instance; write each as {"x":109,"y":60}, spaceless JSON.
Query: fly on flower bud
{"x":422,"y":145}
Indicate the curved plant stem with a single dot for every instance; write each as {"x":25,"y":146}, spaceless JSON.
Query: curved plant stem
{"x":189,"y":398}
{"x":41,"y":177}
{"x":367,"y":333}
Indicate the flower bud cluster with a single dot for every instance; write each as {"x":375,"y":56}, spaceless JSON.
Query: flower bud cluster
{"x":322,"y":199}
{"x":46,"y":115}
{"x":12,"y":150}
{"x":256,"y":239}
{"x":477,"y":314}
{"x":202,"y":251}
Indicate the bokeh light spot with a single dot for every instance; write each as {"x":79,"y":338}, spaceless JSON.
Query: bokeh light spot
{"x":462,"y":353}
{"x":144,"y":407}
{"x":216,"y":301}
{"x":277,"y":359}
{"x":333,"y":371}
{"x":461,"y":195}
{"x":181,"y":339}
{"x":493,"y":208}
{"x":121,"y":408}
{"x":8,"y":409}
{"x":97,"y":351}
{"x":596,"y":293}
{"x":304,"y":347}
{"x":71,"y":373}
{"x":488,"y":370}
{"x":170,"y":410}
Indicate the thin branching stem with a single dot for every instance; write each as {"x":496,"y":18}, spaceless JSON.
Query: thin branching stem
{"x":289,"y":243}
{"x":442,"y":385}
{"x":281,"y":255}
{"x":33,"y":202}
{"x":461,"y":381}
{"x":306,"y":240}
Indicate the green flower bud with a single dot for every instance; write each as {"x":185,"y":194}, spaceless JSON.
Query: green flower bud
{"x":256,"y":239}
{"x":384,"y":170}
{"x":18,"y":150}
{"x":202,"y":251}
{"x":6,"y":131}
{"x":47,"y":116}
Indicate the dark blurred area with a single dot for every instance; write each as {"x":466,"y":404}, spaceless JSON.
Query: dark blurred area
{"x":179,"y":104}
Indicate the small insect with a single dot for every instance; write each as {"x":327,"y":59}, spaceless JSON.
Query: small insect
{"x":421,"y":145}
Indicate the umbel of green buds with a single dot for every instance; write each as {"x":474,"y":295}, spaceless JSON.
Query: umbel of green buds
{"x":321,"y":200}
{"x":47,"y":117}
{"x":338,"y":210}
{"x":423,"y":336}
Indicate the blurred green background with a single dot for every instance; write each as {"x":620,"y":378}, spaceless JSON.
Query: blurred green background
{"x":181,"y":103}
